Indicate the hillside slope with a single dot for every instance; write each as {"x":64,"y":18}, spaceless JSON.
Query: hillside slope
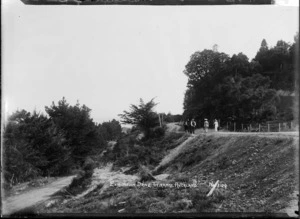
{"x":261,"y":172}
{"x":256,"y":173}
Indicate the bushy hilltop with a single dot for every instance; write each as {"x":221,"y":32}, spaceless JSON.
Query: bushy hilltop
{"x":243,"y":90}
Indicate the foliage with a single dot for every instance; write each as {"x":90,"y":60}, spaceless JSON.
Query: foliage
{"x":36,"y":145}
{"x":80,"y":130}
{"x":33,"y":146}
{"x":130,"y":151}
{"x":141,"y":115}
{"x":278,"y":63}
{"x":157,"y":132}
{"x":226,"y":87}
{"x":110,"y":130}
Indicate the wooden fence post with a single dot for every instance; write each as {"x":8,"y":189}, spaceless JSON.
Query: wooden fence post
{"x":227,"y":126}
{"x":268,"y":127}
{"x":278,"y":127}
{"x":234,"y":126}
{"x":258,"y":127}
{"x":291,"y":124}
{"x":250,"y":128}
{"x":159,"y":120}
{"x":242,"y":127}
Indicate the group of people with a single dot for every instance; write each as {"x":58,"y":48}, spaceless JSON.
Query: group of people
{"x":190,"y":125}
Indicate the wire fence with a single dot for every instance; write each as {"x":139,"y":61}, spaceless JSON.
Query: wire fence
{"x":272,"y":126}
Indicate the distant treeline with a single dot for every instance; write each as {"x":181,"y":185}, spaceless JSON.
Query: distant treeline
{"x":234,"y":88}
{"x":38,"y":145}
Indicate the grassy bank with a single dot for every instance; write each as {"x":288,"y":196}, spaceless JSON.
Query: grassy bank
{"x":256,"y":174}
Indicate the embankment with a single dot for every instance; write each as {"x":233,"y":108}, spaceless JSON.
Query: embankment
{"x":261,"y":172}
{"x":256,"y":173}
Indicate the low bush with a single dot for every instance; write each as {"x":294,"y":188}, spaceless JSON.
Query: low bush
{"x":88,"y":167}
{"x":149,"y":152}
{"x":157,"y":132}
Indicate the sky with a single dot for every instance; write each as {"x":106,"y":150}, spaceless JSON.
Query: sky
{"x":108,"y":57}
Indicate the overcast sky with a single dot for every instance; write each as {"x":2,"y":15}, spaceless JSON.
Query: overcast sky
{"x":108,"y":57}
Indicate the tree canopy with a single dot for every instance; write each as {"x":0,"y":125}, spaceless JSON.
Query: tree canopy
{"x":141,"y":115}
{"x":224,"y":87}
{"x":38,"y":145}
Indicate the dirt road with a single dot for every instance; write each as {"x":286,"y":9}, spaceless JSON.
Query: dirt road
{"x":173,"y":127}
{"x":33,"y":197}
{"x":267,"y":134}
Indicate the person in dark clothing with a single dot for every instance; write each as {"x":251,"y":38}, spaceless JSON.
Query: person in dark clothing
{"x":193,"y":126}
{"x":186,"y":126}
{"x":189,"y":126}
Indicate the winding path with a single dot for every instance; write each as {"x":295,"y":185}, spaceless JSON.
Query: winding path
{"x":28,"y":199}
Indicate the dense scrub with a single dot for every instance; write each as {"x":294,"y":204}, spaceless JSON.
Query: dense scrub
{"x":131,"y":151}
{"x":37,"y":145}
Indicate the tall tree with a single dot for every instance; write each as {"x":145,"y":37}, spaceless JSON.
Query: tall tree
{"x":80,"y":130}
{"x":141,"y":115}
{"x":33,"y":146}
{"x":263,"y":46}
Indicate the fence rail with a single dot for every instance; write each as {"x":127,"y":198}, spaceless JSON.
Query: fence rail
{"x":272,"y":126}
{"x":260,"y":127}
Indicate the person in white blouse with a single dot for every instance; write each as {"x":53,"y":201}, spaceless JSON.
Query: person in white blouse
{"x":216,"y":125}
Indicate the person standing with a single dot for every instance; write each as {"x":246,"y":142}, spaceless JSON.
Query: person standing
{"x":186,"y":125}
{"x":189,"y":126}
{"x":216,"y":125}
{"x":193,"y":126}
{"x":206,"y":125}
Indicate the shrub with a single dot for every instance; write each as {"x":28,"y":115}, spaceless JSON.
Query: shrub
{"x":79,"y":183}
{"x":157,"y":132}
{"x":88,"y":167}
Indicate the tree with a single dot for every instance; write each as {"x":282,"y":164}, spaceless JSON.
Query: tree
{"x":263,"y":46}
{"x":32,"y":147}
{"x":204,"y":70}
{"x":223,"y":87}
{"x":262,"y":56}
{"x":240,"y":64}
{"x":111,"y":130}
{"x":81,"y":132}
{"x":204,"y":64}
{"x":141,"y":115}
